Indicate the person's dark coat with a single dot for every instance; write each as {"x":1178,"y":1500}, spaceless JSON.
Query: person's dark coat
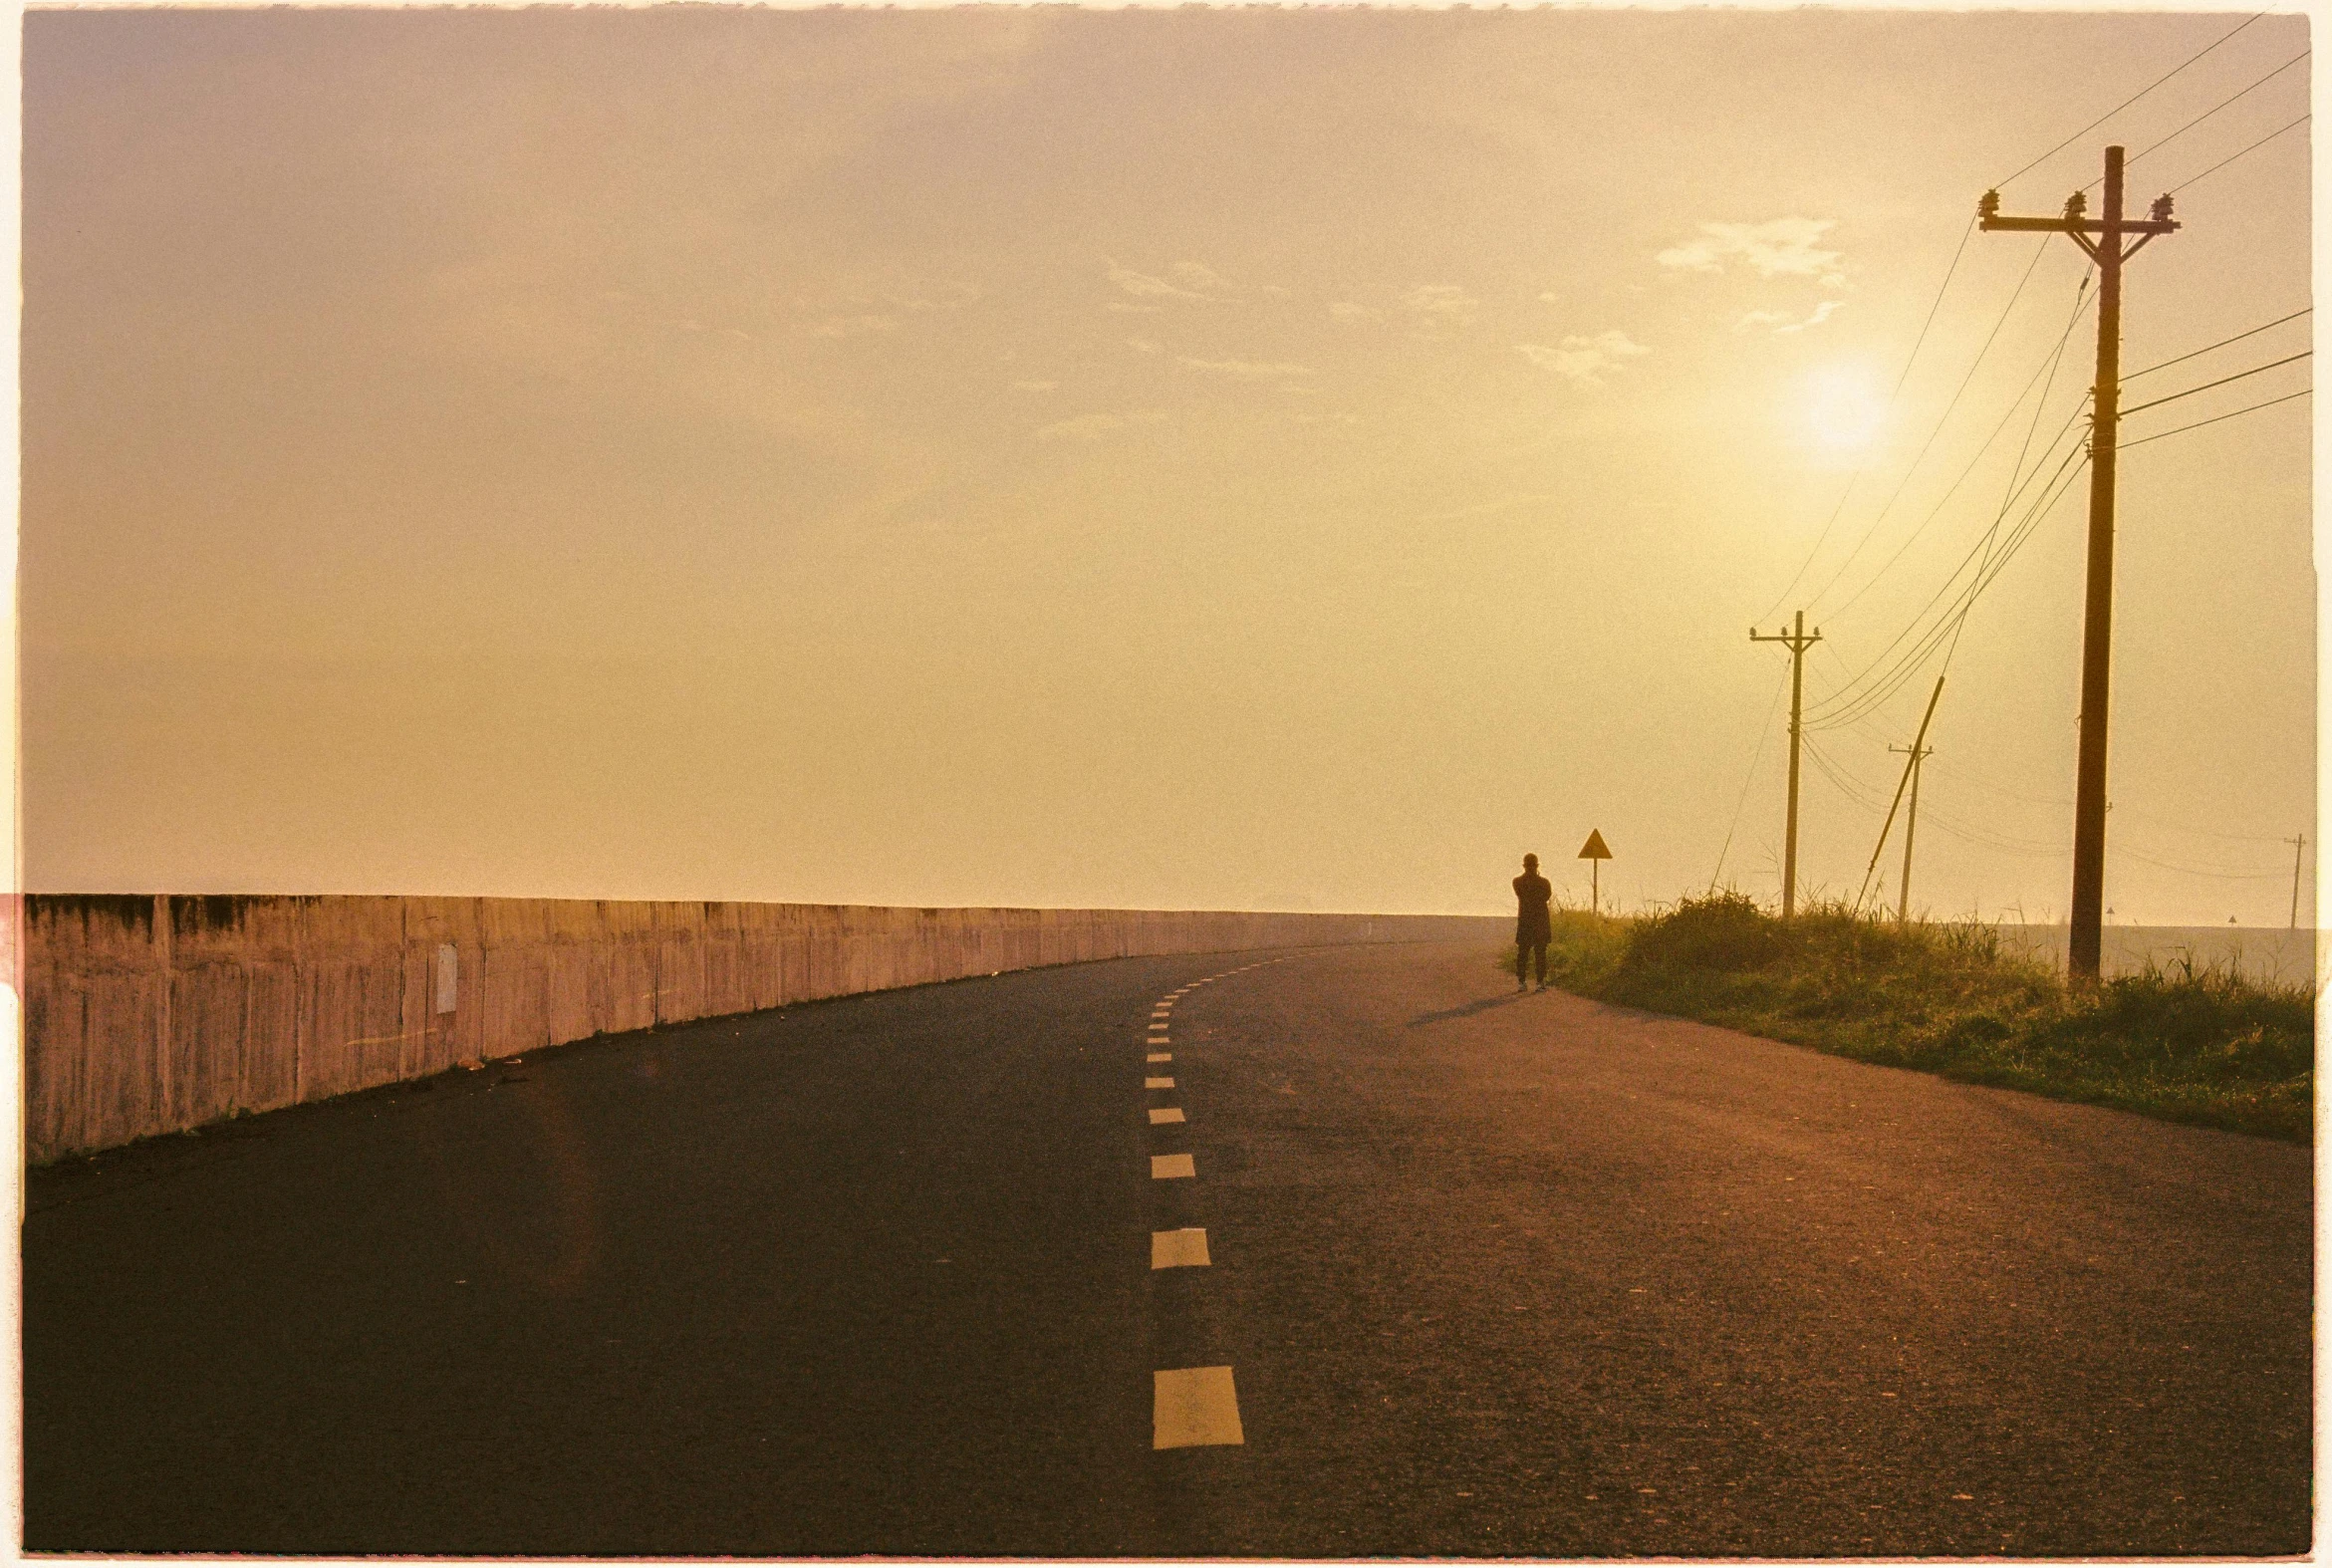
{"x":1533,"y":924}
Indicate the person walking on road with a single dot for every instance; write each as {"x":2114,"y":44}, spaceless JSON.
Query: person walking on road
{"x":1534,"y":924}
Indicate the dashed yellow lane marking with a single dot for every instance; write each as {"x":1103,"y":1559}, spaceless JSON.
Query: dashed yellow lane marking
{"x":1161,"y":1056}
{"x":1159,"y":1116}
{"x":1157,"y":1083}
{"x":1165,"y":1167}
{"x":1184,"y":1249}
{"x":1196,"y":1407}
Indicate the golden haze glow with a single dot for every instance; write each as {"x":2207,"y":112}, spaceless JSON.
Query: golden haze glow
{"x":1139,"y":458}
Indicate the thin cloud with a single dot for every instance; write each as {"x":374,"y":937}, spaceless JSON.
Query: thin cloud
{"x":1438,"y":307}
{"x":1085,"y":428}
{"x":881,"y":309}
{"x":948,"y":297}
{"x":1346,"y":310}
{"x":1584,"y":361}
{"x":1780,"y":247}
{"x":1783,"y":322}
{"x":1249,"y":370}
{"x":853,"y":325}
{"x":1486,"y":508}
{"x":1198,"y":275}
{"x":1192,"y":280}
{"x":1144,"y":287}
{"x":1093,"y":426}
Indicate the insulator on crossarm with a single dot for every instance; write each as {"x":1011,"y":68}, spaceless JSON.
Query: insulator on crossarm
{"x":2076,"y":204}
{"x":1988,"y":209}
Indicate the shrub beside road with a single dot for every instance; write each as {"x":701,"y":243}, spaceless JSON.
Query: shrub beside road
{"x":2188,"y":1043}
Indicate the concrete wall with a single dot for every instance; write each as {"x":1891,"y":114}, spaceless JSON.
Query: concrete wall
{"x":152,"y":1014}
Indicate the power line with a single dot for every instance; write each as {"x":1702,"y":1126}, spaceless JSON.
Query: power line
{"x":1848,"y":708}
{"x":2198,"y":423}
{"x":2015,"y":482}
{"x":2196,"y":870}
{"x":2198,"y":833}
{"x":1837,"y":511}
{"x":2047,"y":367}
{"x":1963,"y":775}
{"x":1948,"y":626}
{"x":2221,"y":382}
{"x":1832,"y":702}
{"x":2127,"y":101}
{"x":1755,"y":757}
{"x":2221,"y":343}
{"x":1882,"y":678}
{"x":2253,"y":148}
{"x":1941,"y":420}
{"x":2216,"y":108}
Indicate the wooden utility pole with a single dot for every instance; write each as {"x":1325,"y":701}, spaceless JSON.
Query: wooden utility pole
{"x":1919,"y":754}
{"x":2299,"y":846}
{"x":1798,"y":642}
{"x":2103,"y":239}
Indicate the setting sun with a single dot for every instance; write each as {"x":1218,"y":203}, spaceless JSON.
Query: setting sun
{"x":1844,"y":410}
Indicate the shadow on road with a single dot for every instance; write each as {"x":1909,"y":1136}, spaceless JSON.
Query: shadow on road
{"x":1466,"y":1011}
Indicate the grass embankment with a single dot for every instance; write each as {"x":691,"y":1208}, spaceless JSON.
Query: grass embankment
{"x":2189,"y":1044}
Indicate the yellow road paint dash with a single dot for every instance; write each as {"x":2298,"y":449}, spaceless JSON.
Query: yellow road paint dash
{"x":1161,"y":1056}
{"x":1159,"y":1116}
{"x":1157,"y":1083}
{"x":1184,"y":1249}
{"x":1196,"y":1407}
{"x":1163,"y":1167}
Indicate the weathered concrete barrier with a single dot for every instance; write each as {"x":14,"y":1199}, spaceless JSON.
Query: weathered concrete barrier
{"x":152,"y":1014}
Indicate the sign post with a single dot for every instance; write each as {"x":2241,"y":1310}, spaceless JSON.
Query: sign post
{"x":1595,"y":851}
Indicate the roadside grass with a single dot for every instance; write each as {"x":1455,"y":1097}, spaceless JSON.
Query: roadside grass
{"x":2188,"y":1043}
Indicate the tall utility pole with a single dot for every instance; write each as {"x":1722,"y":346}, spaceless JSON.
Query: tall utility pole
{"x":1919,"y":754}
{"x":2103,"y":238}
{"x":1798,"y":642}
{"x":2299,"y":847}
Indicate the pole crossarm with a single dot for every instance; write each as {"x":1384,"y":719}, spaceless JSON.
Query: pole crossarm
{"x":2076,"y":226}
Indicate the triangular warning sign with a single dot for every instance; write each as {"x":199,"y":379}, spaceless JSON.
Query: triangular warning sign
{"x":1595,"y":848}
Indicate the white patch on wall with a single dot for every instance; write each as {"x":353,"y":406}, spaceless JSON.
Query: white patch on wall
{"x":448,"y":977}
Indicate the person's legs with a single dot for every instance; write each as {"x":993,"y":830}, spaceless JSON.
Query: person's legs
{"x":1538,"y":954}
{"x":1521,"y":964}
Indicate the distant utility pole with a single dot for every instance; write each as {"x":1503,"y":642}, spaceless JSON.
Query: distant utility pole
{"x":2103,"y":240}
{"x":2299,"y":845}
{"x":1918,"y":755}
{"x":1798,"y":642}
{"x":1909,"y":779}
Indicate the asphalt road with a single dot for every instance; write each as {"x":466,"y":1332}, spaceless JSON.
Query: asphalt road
{"x":1490,"y":1274}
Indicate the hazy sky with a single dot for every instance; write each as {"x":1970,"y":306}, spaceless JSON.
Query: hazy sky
{"x":1136,"y":458}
